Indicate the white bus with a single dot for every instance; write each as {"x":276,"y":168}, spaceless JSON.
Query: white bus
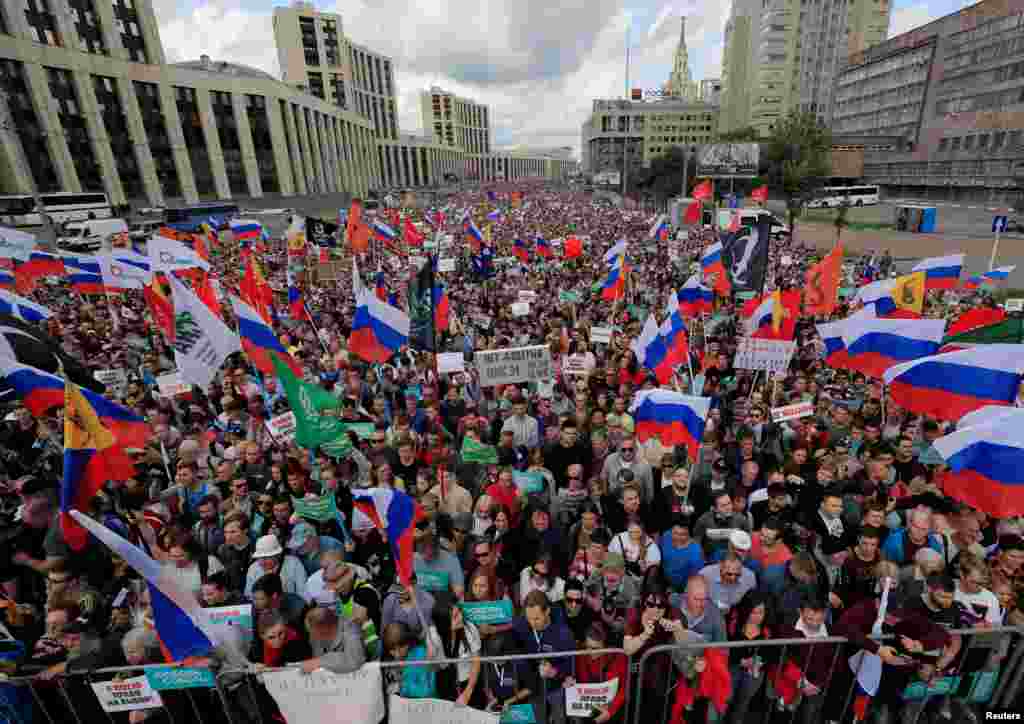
{"x":61,"y":206}
{"x":833,"y":196}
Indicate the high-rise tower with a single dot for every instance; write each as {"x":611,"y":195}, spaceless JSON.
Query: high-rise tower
{"x":680,"y":82}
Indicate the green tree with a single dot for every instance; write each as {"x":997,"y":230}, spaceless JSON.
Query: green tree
{"x":799,"y":160}
{"x":841,"y":221}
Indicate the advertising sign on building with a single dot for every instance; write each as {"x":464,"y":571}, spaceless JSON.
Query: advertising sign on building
{"x":728,"y":160}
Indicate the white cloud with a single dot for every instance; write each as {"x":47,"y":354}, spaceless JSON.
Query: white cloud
{"x":904,"y":19}
{"x":538,"y":65}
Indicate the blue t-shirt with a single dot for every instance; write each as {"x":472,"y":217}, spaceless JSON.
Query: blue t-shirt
{"x":679,"y":563}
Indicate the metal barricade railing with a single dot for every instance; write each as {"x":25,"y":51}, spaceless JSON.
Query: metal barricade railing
{"x":541,"y":704}
{"x":236,"y":697}
{"x":967,"y":684}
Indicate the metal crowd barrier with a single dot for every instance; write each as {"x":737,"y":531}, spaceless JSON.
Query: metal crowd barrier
{"x":237,"y":696}
{"x":981,"y":690}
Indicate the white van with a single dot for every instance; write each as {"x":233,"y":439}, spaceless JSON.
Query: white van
{"x":91,"y":235}
{"x":749,"y":217}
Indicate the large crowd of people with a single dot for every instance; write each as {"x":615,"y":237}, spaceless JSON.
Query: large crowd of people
{"x":587,"y":535}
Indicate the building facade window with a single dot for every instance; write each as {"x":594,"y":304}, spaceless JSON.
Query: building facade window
{"x":42,"y":22}
{"x":87,"y":25}
{"x":25,"y":122}
{"x":230,"y":145}
{"x":296,"y":171}
{"x":330,"y":29}
{"x":127,"y":20}
{"x":338,"y":89}
{"x":108,"y":103}
{"x":76,"y":132}
{"x":316,"y":84}
{"x":262,"y":142}
{"x":192,"y":132}
{"x":148,"y":97}
{"x":307,"y":28}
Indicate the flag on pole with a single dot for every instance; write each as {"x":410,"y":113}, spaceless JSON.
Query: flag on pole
{"x":395,"y":514}
{"x":201,"y":339}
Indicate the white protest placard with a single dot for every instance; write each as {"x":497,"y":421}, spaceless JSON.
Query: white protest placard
{"x":451,"y":362}
{"x":601,"y":335}
{"x":481,"y":320}
{"x":575,"y":365}
{"x":416,"y":261}
{"x":435,"y":711}
{"x":1014,"y":305}
{"x":171,"y":385}
{"x":582,"y":699}
{"x":282,"y":427}
{"x":513,"y":365}
{"x":446,"y":264}
{"x":232,"y":623}
{"x":786,"y":260}
{"x":116,"y":379}
{"x":769,"y":355}
{"x":127,"y":695}
{"x":527,"y":296}
{"x":792,"y":412}
{"x":323,"y":696}
{"x":520,"y":309}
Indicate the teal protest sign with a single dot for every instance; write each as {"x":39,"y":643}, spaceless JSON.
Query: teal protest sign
{"x":172,"y":677}
{"x":529,"y":482}
{"x":487,"y":612}
{"x":568,"y":297}
{"x":519,"y":714}
{"x":433,"y":581}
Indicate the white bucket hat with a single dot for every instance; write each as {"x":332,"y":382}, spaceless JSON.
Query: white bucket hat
{"x":267,"y":547}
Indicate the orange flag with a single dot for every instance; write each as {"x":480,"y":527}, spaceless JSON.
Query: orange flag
{"x":358,"y":232}
{"x":821,"y":292}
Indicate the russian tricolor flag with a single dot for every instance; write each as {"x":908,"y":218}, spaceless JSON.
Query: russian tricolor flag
{"x":941,"y":272}
{"x":875,"y":345}
{"x":246,"y":230}
{"x":378,"y":329}
{"x":384,"y":232}
{"x":615,"y":283}
{"x":612,"y":255}
{"x":394,"y":514}
{"x":22,"y":308}
{"x":84,"y":274}
{"x":659,"y":230}
{"x":296,"y":303}
{"x":41,"y":391}
{"x":259,"y":340}
{"x":1000,"y":274}
{"x":673,"y":331}
{"x":695,"y":298}
{"x":831,"y":335}
{"x":475,"y":236}
{"x":521,"y":251}
{"x":949,"y":386}
{"x":6,"y":279}
{"x":986,"y":460}
{"x":711,"y":265}
{"x":544,"y":248}
{"x":442,"y":307}
{"x":672,"y":417}
{"x":183,"y":626}
{"x":651,"y":352}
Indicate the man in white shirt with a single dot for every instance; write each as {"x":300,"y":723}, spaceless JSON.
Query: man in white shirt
{"x":523,"y":427}
{"x":728,"y":581}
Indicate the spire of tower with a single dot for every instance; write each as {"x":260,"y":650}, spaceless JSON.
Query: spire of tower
{"x":680,"y":80}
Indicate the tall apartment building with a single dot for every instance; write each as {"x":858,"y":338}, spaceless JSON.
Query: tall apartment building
{"x":316,"y":56}
{"x":952,"y":92}
{"x":783,"y":55}
{"x":455,"y":122}
{"x":633,"y":133}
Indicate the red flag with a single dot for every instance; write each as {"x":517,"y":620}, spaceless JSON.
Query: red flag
{"x":412,"y":236}
{"x":358,"y":232}
{"x":255,"y":290}
{"x":692,"y":215}
{"x":204,"y":290}
{"x":573,"y":248}
{"x":703,"y":191}
{"x":975,"y":319}
{"x":324,"y":255}
{"x":160,"y":306}
{"x":821,"y":288}
{"x":760,"y":194}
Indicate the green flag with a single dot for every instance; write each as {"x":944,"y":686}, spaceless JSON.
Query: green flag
{"x":477,"y":452}
{"x":312,"y":429}
{"x":1009,"y":331}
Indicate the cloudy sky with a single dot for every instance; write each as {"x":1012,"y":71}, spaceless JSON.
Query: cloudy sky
{"x":537,"y":64}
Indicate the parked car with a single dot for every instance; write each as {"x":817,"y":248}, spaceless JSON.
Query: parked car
{"x":90,"y":235}
{"x":142,"y":230}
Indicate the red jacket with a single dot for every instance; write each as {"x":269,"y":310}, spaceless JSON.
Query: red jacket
{"x":590,"y":670}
